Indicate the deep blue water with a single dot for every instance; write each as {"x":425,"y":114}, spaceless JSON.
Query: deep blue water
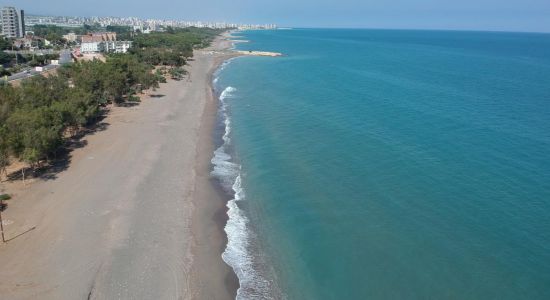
{"x":386,"y":164}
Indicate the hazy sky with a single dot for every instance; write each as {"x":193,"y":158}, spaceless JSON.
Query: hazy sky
{"x":512,"y":15}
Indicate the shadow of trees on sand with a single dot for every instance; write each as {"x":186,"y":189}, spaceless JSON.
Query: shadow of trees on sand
{"x":61,"y":159}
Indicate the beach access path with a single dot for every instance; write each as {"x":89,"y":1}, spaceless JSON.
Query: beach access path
{"x":134,"y":215}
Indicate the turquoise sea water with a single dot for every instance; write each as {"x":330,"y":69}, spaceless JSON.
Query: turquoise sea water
{"x":384,"y":164}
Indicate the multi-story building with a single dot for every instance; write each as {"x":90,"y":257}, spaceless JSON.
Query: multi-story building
{"x":13,"y":22}
{"x":117,"y":46}
{"x":91,"y":44}
{"x":70,"y":37}
{"x":103,"y":42}
{"x":136,"y":23}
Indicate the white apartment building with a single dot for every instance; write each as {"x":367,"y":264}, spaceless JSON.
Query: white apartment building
{"x":118,"y":46}
{"x":13,"y":22}
{"x":103,"y":42}
{"x":91,"y":44}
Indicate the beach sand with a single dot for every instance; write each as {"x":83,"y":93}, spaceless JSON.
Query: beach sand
{"x":134,"y":214}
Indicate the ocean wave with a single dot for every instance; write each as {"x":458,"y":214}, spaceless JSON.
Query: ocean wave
{"x":216,"y":75}
{"x":228,"y":92}
{"x":224,"y":169}
{"x":223,"y":66}
{"x":237,"y":254}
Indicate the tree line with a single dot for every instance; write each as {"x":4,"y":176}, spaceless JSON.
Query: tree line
{"x":37,"y":116}
{"x":172,"y":47}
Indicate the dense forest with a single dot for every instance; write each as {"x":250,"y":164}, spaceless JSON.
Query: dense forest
{"x":37,"y":116}
{"x":172,"y":47}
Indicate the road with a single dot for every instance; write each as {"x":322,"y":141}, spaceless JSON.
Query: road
{"x":30,"y":72}
{"x":64,"y":58}
{"x":31,"y":52}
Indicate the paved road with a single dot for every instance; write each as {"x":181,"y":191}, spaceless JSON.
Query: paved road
{"x":64,"y":58}
{"x":29,"y":73}
{"x":40,"y":51}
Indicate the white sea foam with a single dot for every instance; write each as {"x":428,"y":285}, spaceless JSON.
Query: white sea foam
{"x":237,"y":253}
{"x":228,"y":92}
{"x":223,"y":65}
{"x":224,"y":169}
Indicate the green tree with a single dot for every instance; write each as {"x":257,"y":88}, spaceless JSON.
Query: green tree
{"x":4,"y":151}
{"x":177,"y":73}
{"x":5,"y":44}
{"x":34,"y":134}
{"x":36,"y":115}
{"x":5,"y":58}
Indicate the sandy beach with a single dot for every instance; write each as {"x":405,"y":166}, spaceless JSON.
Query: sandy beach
{"x":134,"y":215}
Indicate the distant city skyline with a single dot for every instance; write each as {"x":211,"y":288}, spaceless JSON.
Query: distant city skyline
{"x":492,"y":15}
{"x":142,"y":24}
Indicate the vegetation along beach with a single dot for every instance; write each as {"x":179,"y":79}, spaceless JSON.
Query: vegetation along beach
{"x":266,"y":150}
{"x":116,"y":199}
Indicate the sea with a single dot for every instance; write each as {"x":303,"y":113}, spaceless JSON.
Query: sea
{"x":387,"y":164}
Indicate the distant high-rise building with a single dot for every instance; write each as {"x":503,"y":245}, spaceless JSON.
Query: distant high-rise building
{"x":13,"y":22}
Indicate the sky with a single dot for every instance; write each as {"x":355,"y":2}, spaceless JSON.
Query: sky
{"x":497,"y":15}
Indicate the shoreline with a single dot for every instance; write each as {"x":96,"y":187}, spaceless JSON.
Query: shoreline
{"x":211,"y":239}
{"x":217,"y":185}
{"x":135,"y":213}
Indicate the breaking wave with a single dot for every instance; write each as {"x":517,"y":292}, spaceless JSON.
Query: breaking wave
{"x":237,"y":254}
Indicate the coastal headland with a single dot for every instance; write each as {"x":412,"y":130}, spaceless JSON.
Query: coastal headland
{"x":259,"y":53}
{"x":135,"y":214}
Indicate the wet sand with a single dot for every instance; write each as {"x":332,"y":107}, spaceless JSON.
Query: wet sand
{"x":134,"y":215}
